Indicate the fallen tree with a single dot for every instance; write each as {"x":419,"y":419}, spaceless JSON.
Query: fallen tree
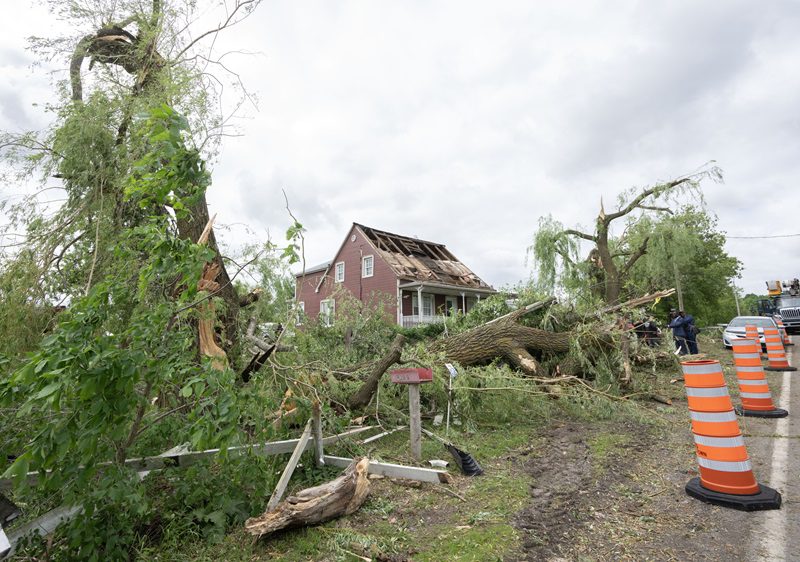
{"x":522,"y":346}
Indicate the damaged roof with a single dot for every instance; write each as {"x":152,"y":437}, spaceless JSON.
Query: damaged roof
{"x":418,"y":260}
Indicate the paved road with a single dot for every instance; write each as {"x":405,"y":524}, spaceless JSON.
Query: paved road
{"x":774,"y":446}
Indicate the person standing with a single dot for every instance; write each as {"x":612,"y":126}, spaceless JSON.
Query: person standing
{"x":691,"y":331}
{"x":678,"y":332}
{"x":684,"y":331}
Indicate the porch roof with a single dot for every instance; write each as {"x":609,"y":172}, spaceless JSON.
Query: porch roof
{"x":445,"y":289}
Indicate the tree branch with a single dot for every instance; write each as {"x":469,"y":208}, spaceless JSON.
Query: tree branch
{"x":637,"y":201}
{"x":580,"y":234}
{"x":217,"y":30}
{"x":642,"y":250}
{"x":660,"y":209}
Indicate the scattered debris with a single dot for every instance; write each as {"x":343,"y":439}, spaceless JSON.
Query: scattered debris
{"x":466,"y":463}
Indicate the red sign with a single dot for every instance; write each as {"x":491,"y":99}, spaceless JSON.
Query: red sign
{"x":411,"y":376}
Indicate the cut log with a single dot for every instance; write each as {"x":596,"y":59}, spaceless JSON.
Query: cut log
{"x":311,"y":506}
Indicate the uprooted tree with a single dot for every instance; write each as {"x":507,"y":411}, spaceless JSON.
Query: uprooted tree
{"x":505,"y":338}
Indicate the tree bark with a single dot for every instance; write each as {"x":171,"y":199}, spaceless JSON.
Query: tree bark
{"x":367,"y":390}
{"x":502,"y":339}
{"x":342,"y":496}
{"x":191,"y":228}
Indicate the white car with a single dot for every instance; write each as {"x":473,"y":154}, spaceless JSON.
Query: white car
{"x":735,"y":328}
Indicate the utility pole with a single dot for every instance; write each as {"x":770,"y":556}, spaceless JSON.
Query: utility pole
{"x":736,"y":298}
{"x":678,"y":289}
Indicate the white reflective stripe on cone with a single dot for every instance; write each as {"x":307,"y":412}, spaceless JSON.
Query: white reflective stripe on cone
{"x":706,"y":392}
{"x":737,"y":441}
{"x":750,"y":382}
{"x":701,"y":369}
{"x":746,"y":355}
{"x":748,"y":369}
{"x":725,"y":466}
{"x":755,"y":395}
{"x":728,"y":416}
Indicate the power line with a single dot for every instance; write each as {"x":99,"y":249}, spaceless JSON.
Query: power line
{"x":771,"y":236}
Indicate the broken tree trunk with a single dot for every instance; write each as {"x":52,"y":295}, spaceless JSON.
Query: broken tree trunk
{"x":367,"y":390}
{"x":311,"y":506}
{"x":503,"y":337}
{"x":506,"y":339}
{"x":208,"y":316}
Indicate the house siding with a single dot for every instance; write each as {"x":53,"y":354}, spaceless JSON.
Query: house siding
{"x":305,"y":286}
{"x":382,"y":283}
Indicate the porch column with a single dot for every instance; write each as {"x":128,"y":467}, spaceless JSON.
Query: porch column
{"x":463,"y":303}
{"x":419,"y":304}
{"x":399,"y":314}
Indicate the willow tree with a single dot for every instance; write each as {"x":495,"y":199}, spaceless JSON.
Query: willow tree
{"x":108,"y":288}
{"x":604,"y":272}
{"x":124,"y":58}
{"x":688,"y":250}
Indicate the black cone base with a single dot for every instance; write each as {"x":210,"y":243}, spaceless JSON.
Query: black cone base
{"x":790,"y":368}
{"x":776,"y":413}
{"x":767,"y":498}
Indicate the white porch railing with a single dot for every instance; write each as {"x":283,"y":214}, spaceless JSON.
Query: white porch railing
{"x":417,"y":320}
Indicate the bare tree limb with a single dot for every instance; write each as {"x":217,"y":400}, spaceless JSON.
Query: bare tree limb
{"x":579,"y":234}
{"x":637,"y":201}
{"x":642,"y":250}
{"x":219,"y":28}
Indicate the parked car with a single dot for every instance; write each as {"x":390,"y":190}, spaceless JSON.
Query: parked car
{"x":735,"y":328}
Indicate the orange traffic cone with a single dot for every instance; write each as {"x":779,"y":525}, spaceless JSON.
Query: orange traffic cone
{"x":751,"y":333}
{"x":753,"y":387}
{"x":775,"y":352}
{"x":787,"y":341}
{"x":726,"y":475}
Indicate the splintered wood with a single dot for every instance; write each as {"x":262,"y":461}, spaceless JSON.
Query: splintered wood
{"x":342,"y":496}
{"x":208,"y":316}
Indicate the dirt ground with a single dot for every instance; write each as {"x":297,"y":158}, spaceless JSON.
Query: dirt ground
{"x":629,"y":504}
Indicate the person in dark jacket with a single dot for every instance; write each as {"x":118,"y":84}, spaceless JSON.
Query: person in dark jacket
{"x":691,"y":331}
{"x":684,"y":332}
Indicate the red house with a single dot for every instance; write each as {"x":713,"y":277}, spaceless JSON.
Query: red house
{"x":422,"y":281}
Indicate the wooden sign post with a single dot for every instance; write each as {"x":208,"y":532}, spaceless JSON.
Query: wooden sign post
{"x":413,"y":378}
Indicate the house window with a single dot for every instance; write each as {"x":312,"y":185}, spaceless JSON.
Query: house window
{"x":367,"y":266}
{"x":326,"y":310}
{"x":339,"y":272}
{"x":300,"y":313}
{"x":427,"y":305}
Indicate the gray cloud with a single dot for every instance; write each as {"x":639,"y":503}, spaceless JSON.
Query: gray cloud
{"x":464,"y":123}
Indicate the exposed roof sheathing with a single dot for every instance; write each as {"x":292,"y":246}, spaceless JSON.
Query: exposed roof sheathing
{"x":413,"y":259}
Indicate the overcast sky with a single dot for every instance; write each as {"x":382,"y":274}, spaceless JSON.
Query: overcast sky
{"x":464,"y":122}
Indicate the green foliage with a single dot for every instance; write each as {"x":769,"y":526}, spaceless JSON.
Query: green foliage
{"x":88,"y":392}
{"x":749,"y":304}
{"x":360,"y":331}
{"x":555,"y":257}
{"x":690,"y":244}
{"x":169,"y":173}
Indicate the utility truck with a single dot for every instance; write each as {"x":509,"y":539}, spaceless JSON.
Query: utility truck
{"x":784,"y":302}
